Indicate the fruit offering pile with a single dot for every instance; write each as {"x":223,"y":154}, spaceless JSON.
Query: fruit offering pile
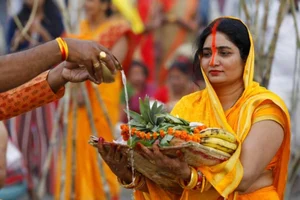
{"x":155,"y":124}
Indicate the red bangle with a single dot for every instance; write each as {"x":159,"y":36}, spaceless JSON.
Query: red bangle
{"x":63,"y":48}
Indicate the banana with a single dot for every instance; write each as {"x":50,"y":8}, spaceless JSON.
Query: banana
{"x":218,"y":133}
{"x":219,"y":142}
{"x":218,"y":147}
{"x":216,"y":151}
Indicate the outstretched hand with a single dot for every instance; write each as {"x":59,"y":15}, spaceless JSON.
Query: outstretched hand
{"x":87,"y":54}
{"x":176,"y":166}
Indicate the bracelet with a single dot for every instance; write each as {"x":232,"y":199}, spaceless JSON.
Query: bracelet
{"x":63,"y":48}
{"x":137,"y":182}
{"x":200,"y":180}
{"x":193,"y":180}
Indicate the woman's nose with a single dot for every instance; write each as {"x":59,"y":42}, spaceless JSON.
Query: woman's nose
{"x":214,"y":61}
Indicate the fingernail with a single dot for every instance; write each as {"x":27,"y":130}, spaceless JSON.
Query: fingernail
{"x":138,"y":146}
{"x":100,"y":140}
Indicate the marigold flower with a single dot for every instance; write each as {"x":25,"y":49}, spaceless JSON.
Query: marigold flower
{"x":162,"y":133}
{"x":142,"y":134}
{"x":170,"y":131}
{"x":177,"y":133}
{"x":148,"y":136}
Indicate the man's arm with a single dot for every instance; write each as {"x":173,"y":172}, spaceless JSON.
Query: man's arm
{"x":18,"y":68}
{"x":45,"y":88}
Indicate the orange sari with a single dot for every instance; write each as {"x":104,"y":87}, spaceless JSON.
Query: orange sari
{"x":87,"y":182}
{"x":255,"y":104}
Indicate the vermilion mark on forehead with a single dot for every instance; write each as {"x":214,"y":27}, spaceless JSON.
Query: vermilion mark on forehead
{"x":213,"y":43}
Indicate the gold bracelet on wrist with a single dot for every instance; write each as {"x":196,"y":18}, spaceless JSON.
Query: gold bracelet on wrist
{"x":193,"y":180}
{"x":141,"y":183}
{"x":135,"y":182}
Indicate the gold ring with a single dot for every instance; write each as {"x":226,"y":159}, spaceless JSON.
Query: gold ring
{"x":96,"y":65}
{"x":102,"y":55}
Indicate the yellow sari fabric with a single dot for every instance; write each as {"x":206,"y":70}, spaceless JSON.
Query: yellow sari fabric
{"x":204,"y":106}
{"x":87,"y":183}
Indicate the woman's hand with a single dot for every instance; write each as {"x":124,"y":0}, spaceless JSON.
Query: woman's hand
{"x":116,"y":161}
{"x":176,"y":166}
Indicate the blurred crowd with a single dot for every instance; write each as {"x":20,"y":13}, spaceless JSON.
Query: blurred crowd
{"x":154,"y":40}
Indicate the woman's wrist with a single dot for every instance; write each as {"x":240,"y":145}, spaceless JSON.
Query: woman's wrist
{"x":55,"y":78}
{"x":186,"y":174}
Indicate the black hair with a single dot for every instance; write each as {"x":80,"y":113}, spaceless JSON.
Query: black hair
{"x":109,"y":10}
{"x":183,"y":64}
{"x":235,"y":31}
{"x":136,"y":63}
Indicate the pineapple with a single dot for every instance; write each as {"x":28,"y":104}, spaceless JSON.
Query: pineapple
{"x":154,"y":123}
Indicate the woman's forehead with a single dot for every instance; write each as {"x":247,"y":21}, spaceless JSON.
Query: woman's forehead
{"x":221,"y":39}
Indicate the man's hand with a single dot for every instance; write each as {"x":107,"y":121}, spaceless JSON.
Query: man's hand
{"x":67,"y":72}
{"x":87,"y":54}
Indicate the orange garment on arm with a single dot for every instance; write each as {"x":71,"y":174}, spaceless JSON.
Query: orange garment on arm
{"x":28,"y":96}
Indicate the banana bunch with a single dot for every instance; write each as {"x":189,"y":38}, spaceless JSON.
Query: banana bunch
{"x":218,"y":139}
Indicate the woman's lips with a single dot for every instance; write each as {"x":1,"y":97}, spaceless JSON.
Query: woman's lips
{"x":214,"y":72}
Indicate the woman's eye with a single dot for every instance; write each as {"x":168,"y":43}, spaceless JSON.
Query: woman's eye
{"x":206,"y":54}
{"x":225,"y":53}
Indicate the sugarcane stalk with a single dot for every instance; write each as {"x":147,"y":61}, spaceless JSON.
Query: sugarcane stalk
{"x":65,"y":15}
{"x":65,"y":132}
{"x":74,"y":134}
{"x":103,"y":107}
{"x":295,"y":90}
{"x":52,"y":145}
{"x":24,"y":31}
{"x":271,"y":50}
{"x":255,"y":23}
{"x":294,"y":169}
{"x":94,"y":132}
{"x":246,"y":11}
{"x":260,"y":58}
{"x":297,"y":59}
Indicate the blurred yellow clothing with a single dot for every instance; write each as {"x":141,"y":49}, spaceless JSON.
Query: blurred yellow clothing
{"x":88,"y":178}
{"x":255,"y":104}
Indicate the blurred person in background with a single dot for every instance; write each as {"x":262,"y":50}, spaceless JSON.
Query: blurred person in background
{"x":101,"y":25}
{"x":137,"y":87}
{"x":36,"y":125}
{"x":46,"y":25}
{"x":179,"y":83}
{"x":179,"y":26}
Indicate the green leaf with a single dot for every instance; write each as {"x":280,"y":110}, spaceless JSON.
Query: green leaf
{"x":143,"y":110}
{"x":173,"y":119}
{"x":134,"y":123}
{"x":134,"y":115}
{"x":166,"y":140}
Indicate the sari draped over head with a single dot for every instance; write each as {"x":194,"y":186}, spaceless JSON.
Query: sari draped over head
{"x":204,"y":106}
{"x":87,"y":182}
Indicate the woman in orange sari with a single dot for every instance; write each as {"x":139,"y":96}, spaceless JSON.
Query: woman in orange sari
{"x":234,"y":102}
{"x":100,"y":25}
{"x":179,"y":26}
